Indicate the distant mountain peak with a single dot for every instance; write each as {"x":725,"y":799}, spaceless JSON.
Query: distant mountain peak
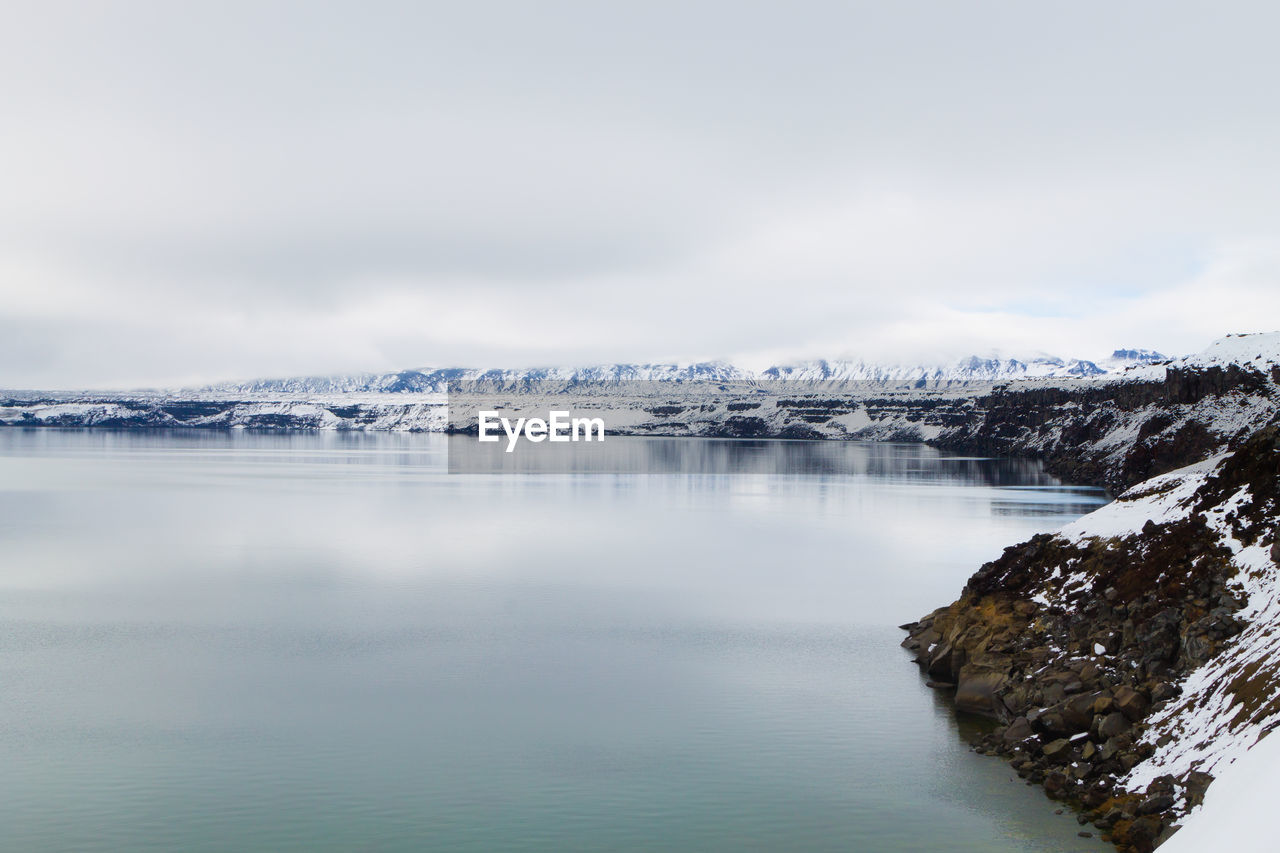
{"x":1138,"y":356}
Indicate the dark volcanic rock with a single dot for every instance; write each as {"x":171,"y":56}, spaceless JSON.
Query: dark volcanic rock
{"x":1130,"y":702}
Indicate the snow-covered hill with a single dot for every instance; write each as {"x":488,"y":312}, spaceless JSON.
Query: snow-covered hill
{"x":1258,"y":351}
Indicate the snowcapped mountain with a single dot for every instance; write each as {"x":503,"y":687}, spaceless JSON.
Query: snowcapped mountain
{"x":950,"y":403}
{"x":1122,"y":358}
{"x":921,"y":375}
{"x":436,"y":380}
{"x":971,"y":369}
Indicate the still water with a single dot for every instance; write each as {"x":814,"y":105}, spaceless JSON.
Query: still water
{"x":233,"y":641}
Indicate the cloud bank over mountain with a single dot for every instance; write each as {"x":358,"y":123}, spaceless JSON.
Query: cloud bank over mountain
{"x":247,"y":189}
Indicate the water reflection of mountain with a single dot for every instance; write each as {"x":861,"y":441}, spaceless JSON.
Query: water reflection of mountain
{"x":711,"y":456}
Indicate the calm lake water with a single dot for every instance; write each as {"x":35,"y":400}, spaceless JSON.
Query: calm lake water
{"x":231,"y":641}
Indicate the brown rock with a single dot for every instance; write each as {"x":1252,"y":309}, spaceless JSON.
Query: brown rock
{"x":1057,"y":750}
{"x":1197,"y":782}
{"x":977,"y":690}
{"x":1156,"y":803}
{"x":1112,"y":724}
{"x":1143,"y":832}
{"x":1017,"y":731}
{"x":1130,"y":702}
{"x":940,"y":660}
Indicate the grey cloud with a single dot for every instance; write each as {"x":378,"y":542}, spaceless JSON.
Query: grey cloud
{"x":404,"y":183}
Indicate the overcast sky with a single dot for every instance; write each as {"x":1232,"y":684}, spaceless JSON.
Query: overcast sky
{"x":192,"y":192}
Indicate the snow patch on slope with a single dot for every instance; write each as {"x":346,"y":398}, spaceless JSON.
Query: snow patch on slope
{"x":1238,"y":808}
{"x":1160,"y":500}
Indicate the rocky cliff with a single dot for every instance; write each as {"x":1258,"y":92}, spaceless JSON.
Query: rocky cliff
{"x":1119,"y":433}
{"x":1143,"y":421}
{"x":1128,"y":656}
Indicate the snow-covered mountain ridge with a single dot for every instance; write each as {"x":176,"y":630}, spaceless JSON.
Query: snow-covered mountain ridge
{"x":1078,"y":421}
{"x":972,"y":369}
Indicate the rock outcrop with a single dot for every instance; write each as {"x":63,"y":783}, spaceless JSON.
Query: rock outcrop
{"x":1126,"y":656}
{"x":1118,"y":433}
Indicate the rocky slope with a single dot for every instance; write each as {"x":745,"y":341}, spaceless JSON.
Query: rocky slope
{"x":1131,"y":655}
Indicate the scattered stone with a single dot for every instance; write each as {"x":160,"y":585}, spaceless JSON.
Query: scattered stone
{"x":1057,"y":749}
{"x":1017,"y":731}
{"x":1157,"y":803}
{"x":1130,"y":702}
{"x":1112,"y":724}
{"x":1197,"y":782}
